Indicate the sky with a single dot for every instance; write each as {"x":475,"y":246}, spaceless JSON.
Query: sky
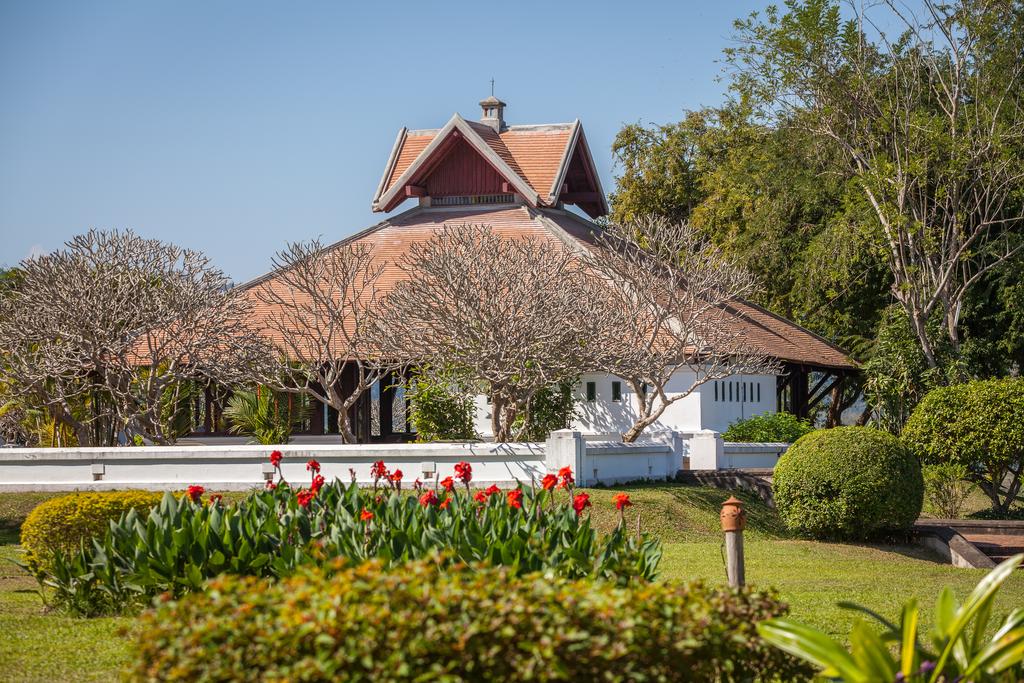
{"x":234,"y":127}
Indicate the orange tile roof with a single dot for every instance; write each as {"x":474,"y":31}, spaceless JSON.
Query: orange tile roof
{"x":391,"y":240}
{"x":535,"y":153}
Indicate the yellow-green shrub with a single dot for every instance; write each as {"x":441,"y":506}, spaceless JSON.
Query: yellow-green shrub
{"x":428,"y":622}
{"x":64,"y":523}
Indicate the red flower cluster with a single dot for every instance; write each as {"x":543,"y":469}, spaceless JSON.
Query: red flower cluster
{"x":396,"y":476}
{"x":579,"y":502}
{"x":378,"y":471}
{"x":195,"y":492}
{"x":480,"y":497}
{"x":445,"y":503}
{"x":418,"y":485}
{"x":492,"y":490}
{"x":464,"y":472}
{"x":271,"y":485}
{"x":622,"y":501}
{"x":549,"y":481}
{"x":565,"y":474}
{"x":215,"y":498}
{"x":312,"y":466}
{"x":448,"y":483}
{"x":515,"y":498}
{"x":304,"y":498}
{"x":429,"y":498}
{"x":275,"y":459}
{"x":365,"y":515}
{"x":318,"y":483}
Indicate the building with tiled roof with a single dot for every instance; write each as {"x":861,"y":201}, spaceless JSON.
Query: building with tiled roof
{"x":521,"y":181}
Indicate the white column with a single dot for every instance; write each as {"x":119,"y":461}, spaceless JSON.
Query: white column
{"x":707,"y":450}
{"x":566,"y":448}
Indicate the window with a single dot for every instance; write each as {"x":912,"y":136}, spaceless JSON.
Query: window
{"x":591,"y":391}
{"x":730,"y":390}
{"x":716,"y":390}
{"x":744,"y":392}
{"x":616,"y":391}
{"x":758,"y":392}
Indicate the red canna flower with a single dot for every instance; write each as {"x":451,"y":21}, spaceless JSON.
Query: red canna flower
{"x":579,"y":502}
{"x":271,"y":485}
{"x":318,"y":483}
{"x":565,"y":474}
{"x":304,"y":498}
{"x":492,"y":490}
{"x":418,"y":485}
{"x":378,"y":499}
{"x":464,"y":471}
{"x":429,"y":498}
{"x":480,"y":497}
{"x":365,"y":515}
{"x":448,"y":483}
{"x":515,"y":498}
{"x":549,"y":481}
{"x":195,"y":492}
{"x":622,"y":501}
{"x":275,"y":458}
{"x":445,"y":503}
{"x":215,"y":498}
{"x":378,"y":471}
{"x":396,"y":476}
{"x":312,"y":466}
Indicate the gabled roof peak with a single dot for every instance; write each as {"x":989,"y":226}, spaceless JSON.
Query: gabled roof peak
{"x":539,"y":165}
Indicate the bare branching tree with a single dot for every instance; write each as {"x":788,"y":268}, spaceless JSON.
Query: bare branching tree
{"x":673,"y":313}
{"x":509,"y":313}
{"x":320,"y":309}
{"x":930,"y":126}
{"x":111,"y":330}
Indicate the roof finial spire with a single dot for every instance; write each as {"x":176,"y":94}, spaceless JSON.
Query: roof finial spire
{"x":492,"y":87}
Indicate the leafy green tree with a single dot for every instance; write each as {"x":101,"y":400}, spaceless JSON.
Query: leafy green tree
{"x":929,"y":126}
{"x":980,"y":425}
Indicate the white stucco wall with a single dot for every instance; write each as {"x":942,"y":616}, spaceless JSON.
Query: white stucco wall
{"x":751,"y":395}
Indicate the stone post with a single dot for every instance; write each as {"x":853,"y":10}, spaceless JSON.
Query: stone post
{"x":707,"y":450}
{"x":566,"y":448}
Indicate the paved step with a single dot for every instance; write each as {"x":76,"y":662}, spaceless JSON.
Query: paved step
{"x":998,"y":547}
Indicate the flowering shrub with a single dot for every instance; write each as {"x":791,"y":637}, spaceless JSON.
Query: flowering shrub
{"x":182,"y":542}
{"x":463,"y":623}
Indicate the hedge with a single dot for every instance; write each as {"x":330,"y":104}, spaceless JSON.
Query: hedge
{"x":64,"y":523}
{"x":772,"y":427}
{"x":460,"y":623}
{"x":848,"y":483}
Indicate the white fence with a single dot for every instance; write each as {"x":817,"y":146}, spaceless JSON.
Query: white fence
{"x":229,"y":467}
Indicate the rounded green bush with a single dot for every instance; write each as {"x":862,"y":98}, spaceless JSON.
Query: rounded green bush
{"x":423,"y":622}
{"x":848,"y":483}
{"x":63,"y":523}
{"x":978,"y":425}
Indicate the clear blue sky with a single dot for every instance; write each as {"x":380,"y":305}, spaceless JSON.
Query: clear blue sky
{"x":233,"y":127}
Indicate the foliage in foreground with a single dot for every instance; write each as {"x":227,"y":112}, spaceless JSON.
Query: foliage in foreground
{"x":958,"y":648}
{"x":184,"y":542}
{"x":979,"y":425}
{"x":426,"y":621}
{"x":848,"y":482}
{"x":768,"y":428}
{"x":63,"y":524}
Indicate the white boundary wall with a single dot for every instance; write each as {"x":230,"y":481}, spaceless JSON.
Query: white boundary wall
{"x":593,"y":460}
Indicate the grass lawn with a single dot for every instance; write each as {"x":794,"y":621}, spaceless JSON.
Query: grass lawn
{"x":810,"y":576}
